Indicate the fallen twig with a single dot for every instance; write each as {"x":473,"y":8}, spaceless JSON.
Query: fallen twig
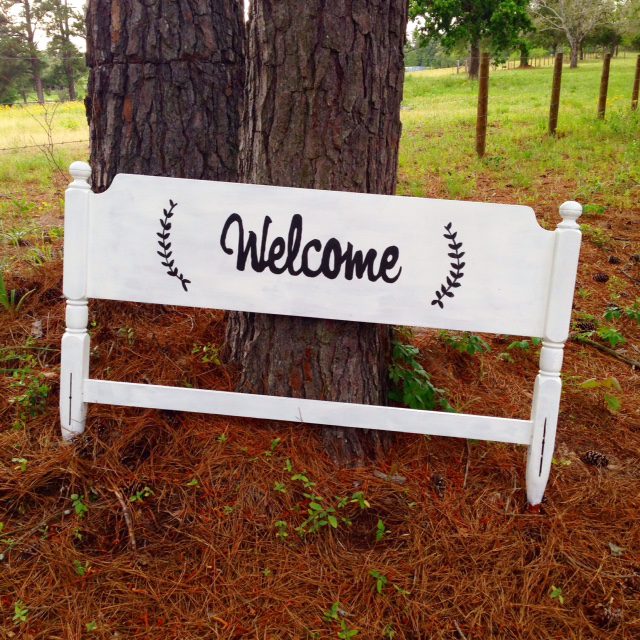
{"x":630,"y":276}
{"x":466,"y":469}
{"x":459,"y":630}
{"x":127,"y":517}
{"x":398,"y":479}
{"x":610,"y":352}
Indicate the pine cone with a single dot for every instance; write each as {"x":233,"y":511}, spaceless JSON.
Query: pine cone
{"x":614,"y":260}
{"x":601,"y":277}
{"x":586,"y":325}
{"x":595,"y":459}
{"x":439,"y":485}
{"x":607,"y":616}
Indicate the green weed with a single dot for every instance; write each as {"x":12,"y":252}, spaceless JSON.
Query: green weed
{"x":555,"y":593}
{"x":79,"y":505}
{"x":208,"y":353}
{"x":20,"y":612}
{"x":11,"y":300}
{"x":336,"y":614}
{"x":465,"y":343}
{"x":381,"y":580}
{"x":142,"y":495}
{"x":33,"y":391}
{"x":600,"y":237}
{"x":412,"y":385}
{"x":611,"y":336}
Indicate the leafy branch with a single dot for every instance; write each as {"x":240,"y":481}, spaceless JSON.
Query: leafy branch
{"x":456,"y":272}
{"x":165,"y":245}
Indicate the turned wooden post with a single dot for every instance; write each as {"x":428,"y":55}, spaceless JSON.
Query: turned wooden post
{"x":483,"y":105}
{"x":555,"y":94}
{"x":74,"y":366}
{"x":604,"y":85}
{"x":548,"y":385}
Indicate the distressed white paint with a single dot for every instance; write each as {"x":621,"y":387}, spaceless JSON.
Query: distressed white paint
{"x":518,"y":279}
{"x":74,"y":362}
{"x":548,"y":385}
{"x":508,"y":256}
{"x":339,"y":414}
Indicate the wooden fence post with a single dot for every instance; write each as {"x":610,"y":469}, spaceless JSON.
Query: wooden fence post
{"x":636,"y":86}
{"x":483,"y":105}
{"x":555,"y":94}
{"x":604,"y":85}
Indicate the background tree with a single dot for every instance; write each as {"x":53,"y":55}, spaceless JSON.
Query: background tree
{"x":14,"y":70}
{"x":62,"y":22}
{"x":322,"y":111}
{"x":25,"y":17}
{"x":575,"y":19}
{"x":493,"y":24}
{"x":608,"y":37}
{"x":165,"y":88}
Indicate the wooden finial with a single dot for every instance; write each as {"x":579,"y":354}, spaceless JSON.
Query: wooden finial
{"x":81,"y":172}
{"x":570,"y":212}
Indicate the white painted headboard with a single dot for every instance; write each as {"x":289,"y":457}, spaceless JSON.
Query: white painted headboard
{"x":348,"y":256}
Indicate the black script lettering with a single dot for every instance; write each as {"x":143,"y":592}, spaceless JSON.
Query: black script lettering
{"x":317,"y":246}
{"x":388,"y":260}
{"x":275,"y":253}
{"x":332,"y":258}
{"x":356,"y":262}
{"x":243,"y":251}
{"x":293,"y":244}
{"x":332,"y":247}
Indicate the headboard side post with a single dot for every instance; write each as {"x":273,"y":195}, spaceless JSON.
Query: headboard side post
{"x":548,"y":385}
{"x":74,"y":369}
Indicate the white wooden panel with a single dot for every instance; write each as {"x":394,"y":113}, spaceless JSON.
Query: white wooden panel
{"x":503,"y":288}
{"x":308,"y":411}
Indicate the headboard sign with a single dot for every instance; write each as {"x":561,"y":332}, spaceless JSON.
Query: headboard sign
{"x":301,"y":252}
{"x":347,"y":256}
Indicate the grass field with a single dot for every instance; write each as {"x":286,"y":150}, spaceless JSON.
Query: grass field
{"x":160,"y":525}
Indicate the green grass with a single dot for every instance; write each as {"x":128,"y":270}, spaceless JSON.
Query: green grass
{"x":590,"y":160}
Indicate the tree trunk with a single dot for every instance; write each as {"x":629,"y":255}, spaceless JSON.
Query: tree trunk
{"x":36,"y":73}
{"x":575,"y":49}
{"x":37,"y":78}
{"x":474,"y":59}
{"x":524,"y":56}
{"x":68,"y":47}
{"x":322,"y":111}
{"x":71,"y":83}
{"x":165,"y":88}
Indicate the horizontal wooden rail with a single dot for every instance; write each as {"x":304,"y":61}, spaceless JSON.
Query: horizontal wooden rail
{"x":340,"y":414}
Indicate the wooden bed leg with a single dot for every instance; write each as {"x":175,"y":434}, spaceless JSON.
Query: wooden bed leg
{"x":74,"y":366}
{"x":544,"y":416}
{"x":548,"y":386}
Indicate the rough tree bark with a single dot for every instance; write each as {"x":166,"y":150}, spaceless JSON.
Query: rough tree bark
{"x":165,"y":88}
{"x":324,"y":87}
{"x":474,"y":59}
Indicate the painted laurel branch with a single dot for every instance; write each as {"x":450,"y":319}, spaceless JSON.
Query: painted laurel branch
{"x":456,"y":272}
{"x":165,"y":245}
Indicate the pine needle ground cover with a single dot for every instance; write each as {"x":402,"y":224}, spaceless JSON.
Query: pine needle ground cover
{"x":168,"y":525}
